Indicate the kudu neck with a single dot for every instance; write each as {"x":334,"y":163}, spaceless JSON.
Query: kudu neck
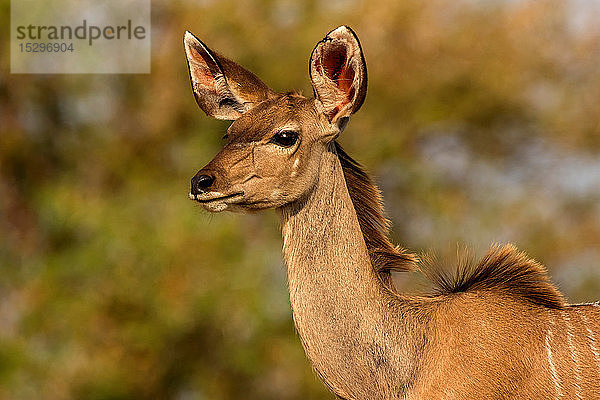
{"x":321,"y":232}
{"x":342,"y":312}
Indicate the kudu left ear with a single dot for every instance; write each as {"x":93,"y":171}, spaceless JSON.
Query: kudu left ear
{"x":223,"y":89}
{"x":339,"y":74}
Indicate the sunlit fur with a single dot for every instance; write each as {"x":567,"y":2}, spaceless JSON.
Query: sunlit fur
{"x":495,"y":329}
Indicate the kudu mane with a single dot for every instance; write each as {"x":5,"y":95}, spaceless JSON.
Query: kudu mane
{"x":368,"y":204}
{"x":503,"y":270}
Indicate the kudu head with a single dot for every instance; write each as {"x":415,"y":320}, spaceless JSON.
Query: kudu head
{"x":275,"y":143}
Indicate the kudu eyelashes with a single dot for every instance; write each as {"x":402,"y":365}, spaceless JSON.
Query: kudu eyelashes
{"x":285,"y":138}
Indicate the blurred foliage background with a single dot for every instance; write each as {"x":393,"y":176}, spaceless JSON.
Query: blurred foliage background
{"x":482,"y":124}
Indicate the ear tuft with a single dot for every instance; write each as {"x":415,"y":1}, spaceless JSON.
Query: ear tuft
{"x":339,"y":73}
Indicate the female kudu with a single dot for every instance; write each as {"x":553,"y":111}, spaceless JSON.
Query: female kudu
{"x":499,"y":329}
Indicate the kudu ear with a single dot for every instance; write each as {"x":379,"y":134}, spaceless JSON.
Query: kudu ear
{"x":339,"y":74}
{"x":223,"y":89}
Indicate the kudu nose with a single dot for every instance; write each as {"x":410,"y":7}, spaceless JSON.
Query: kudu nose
{"x":200,"y":183}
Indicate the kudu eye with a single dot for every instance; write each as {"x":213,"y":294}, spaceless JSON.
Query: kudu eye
{"x":285,"y":138}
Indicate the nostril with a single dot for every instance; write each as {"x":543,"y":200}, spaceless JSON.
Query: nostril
{"x":205,"y":181}
{"x":201,"y":182}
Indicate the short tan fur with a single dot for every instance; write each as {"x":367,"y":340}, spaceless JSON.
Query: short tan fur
{"x":498,"y":329}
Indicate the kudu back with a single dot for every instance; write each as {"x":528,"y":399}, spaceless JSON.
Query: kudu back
{"x":498,"y":329}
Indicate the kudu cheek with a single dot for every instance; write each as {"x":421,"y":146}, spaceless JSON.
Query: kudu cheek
{"x":268,"y":163}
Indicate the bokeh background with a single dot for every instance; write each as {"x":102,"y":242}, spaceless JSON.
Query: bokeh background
{"x":482,"y":124}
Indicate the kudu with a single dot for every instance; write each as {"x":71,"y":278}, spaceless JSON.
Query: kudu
{"x":497,"y":330}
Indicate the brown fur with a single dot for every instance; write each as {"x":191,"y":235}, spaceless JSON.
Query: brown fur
{"x":497,"y":329}
{"x":503,"y":269}
{"x":368,"y":204}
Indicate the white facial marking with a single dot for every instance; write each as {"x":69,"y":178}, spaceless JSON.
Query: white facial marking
{"x":295,"y":168}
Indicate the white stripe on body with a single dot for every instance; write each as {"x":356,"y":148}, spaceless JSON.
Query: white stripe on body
{"x":592,"y":340}
{"x":574,"y":356}
{"x":555,"y":379}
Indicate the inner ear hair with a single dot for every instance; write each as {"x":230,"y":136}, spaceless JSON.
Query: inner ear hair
{"x":222,"y":88}
{"x":339,"y":74}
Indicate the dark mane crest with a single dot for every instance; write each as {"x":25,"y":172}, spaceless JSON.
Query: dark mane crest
{"x":368,"y":205}
{"x":503,"y":270}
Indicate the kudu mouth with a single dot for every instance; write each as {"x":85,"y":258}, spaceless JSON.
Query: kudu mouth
{"x":209,"y":197}
{"x":202,"y":190}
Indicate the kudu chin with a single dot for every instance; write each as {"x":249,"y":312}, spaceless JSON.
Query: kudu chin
{"x":498,"y":329}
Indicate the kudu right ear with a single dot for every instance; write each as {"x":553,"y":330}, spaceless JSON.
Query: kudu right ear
{"x":223,"y":89}
{"x":339,"y":74}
